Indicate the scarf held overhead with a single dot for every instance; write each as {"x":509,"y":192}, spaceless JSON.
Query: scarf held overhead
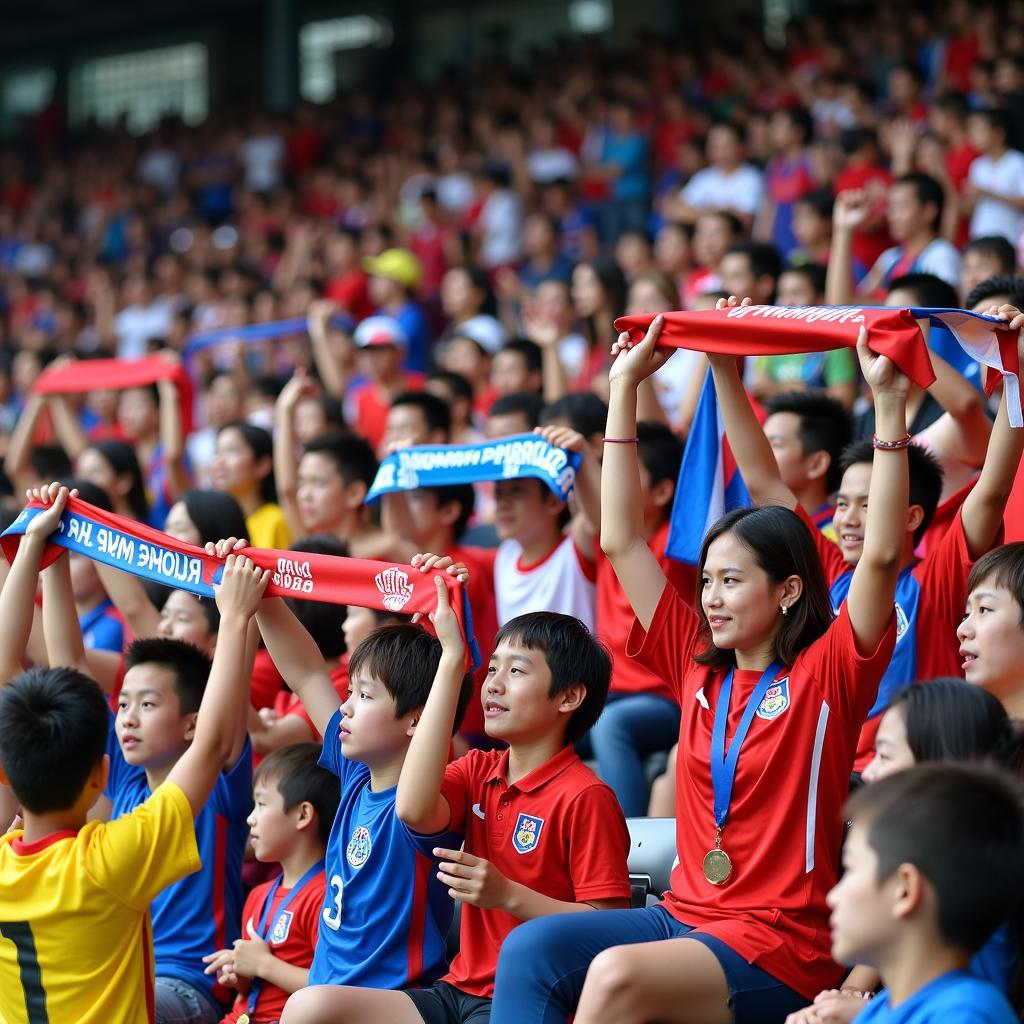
{"x":86,"y":375}
{"x":253,"y":333}
{"x":446,"y":464}
{"x":785,"y":330}
{"x":142,"y":551}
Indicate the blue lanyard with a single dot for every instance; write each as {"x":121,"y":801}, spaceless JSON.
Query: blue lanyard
{"x":261,"y":928}
{"x":723,"y":763}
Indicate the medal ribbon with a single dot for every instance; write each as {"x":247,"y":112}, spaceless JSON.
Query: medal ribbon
{"x":723,"y":763}
{"x":263,"y":926}
{"x":125,"y":544}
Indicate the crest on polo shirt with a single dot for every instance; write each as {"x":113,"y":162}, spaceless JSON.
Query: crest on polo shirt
{"x":775,"y":700}
{"x":902,"y":623}
{"x":527,"y":833}
{"x":282,"y":926}
{"x":394,"y":588}
{"x":358,"y":850}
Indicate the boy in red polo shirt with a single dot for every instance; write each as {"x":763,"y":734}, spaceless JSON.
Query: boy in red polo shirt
{"x":542,"y":834}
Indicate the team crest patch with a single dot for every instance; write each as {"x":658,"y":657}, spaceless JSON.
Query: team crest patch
{"x":358,"y":849}
{"x":282,"y":926}
{"x":902,"y":623}
{"x":527,"y":833}
{"x":775,"y":701}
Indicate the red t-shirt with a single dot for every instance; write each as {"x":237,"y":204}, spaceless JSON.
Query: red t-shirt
{"x":372,"y":406}
{"x":266,"y":682}
{"x":292,"y":938}
{"x":558,"y":831}
{"x":615,"y":616}
{"x":349,"y":291}
{"x":288,"y":703}
{"x":784,"y":828}
{"x":940,"y":596}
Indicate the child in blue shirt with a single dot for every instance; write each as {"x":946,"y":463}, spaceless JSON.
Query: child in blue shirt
{"x":385,"y":913}
{"x":932,"y":868}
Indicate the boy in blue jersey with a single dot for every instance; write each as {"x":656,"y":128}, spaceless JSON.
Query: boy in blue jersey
{"x":932,"y":867}
{"x":154,"y":726}
{"x":543,"y":835}
{"x":930,"y":592}
{"x":385,"y":914}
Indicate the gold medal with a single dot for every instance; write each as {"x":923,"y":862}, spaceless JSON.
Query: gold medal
{"x":717,"y":866}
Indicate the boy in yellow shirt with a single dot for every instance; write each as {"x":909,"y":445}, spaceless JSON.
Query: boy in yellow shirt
{"x":75,"y":938}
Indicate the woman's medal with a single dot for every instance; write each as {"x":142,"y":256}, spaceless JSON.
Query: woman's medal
{"x":717,"y":864}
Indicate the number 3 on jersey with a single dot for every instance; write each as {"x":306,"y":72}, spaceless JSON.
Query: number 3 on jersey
{"x":19,"y":933}
{"x":332,"y":911}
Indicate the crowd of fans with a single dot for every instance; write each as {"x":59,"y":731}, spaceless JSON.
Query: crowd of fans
{"x":453,"y":258}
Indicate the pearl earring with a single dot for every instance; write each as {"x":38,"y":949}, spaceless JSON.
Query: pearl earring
{"x":784,"y":609}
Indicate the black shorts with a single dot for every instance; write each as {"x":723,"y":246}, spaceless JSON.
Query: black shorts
{"x":445,"y":1004}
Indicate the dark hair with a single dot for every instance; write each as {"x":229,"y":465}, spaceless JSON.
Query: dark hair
{"x":996,"y":247}
{"x":480,"y":282}
{"x":854,"y":139}
{"x":927,"y":289}
{"x":207,"y":605}
{"x":953,"y":103}
{"x":461,"y":494}
{"x":435,"y":411}
{"x":1005,"y":566}
{"x":962,"y":827}
{"x":216,"y":515}
{"x":824,"y":426}
{"x":927,"y":191}
{"x":923,"y":470}
{"x":351,"y":454}
{"x":404,"y":657}
{"x":323,"y":620}
{"x":613,"y":283}
{"x":521,"y":402}
{"x":89,"y":492}
{"x":997,"y":118}
{"x":530,"y":352}
{"x":821,"y":201}
{"x":763,"y":258}
{"x":801,"y":119}
{"x":573,"y":656}
{"x":1000,"y":284}
{"x":813,"y":273}
{"x":261,"y":444}
{"x":189,"y":666}
{"x":459,"y":386}
{"x":782,"y":547}
{"x":661,"y":453}
{"x":49,"y":461}
{"x":121,"y":458}
{"x":953,"y":720}
{"x":53,"y":733}
{"x":911,"y":68}
{"x":300,"y":779}
{"x":582,"y":410}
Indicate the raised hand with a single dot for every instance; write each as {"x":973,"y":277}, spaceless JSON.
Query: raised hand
{"x":636,"y":361}
{"x":55,"y":496}
{"x":241,"y":587}
{"x":564,"y":437}
{"x":851,"y":209}
{"x":880,"y":372}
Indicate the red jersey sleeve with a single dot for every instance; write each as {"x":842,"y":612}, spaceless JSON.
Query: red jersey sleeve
{"x":666,"y":648}
{"x":832,"y":560}
{"x":848,"y":680}
{"x":456,"y":784}
{"x":942,"y":576}
{"x":598,"y":842}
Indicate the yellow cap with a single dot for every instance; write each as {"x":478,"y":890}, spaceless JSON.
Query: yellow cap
{"x":396,"y":264}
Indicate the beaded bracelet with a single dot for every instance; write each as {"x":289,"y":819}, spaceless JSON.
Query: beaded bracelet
{"x":622,"y":440}
{"x":891,"y":446}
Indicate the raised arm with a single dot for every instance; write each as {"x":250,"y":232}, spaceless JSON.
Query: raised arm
{"x":332,"y":373}
{"x":873,"y":589}
{"x":419,"y":803}
{"x":983,"y":508}
{"x":751,"y":449}
{"x":172,"y":434}
{"x":544,"y":332}
{"x":286,"y":475}
{"x":130,"y":599}
{"x":18,"y":597}
{"x":850,"y":213}
{"x":298,"y":660}
{"x":64,"y":644}
{"x":19,"y":446}
{"x":622,"y":533}
{"x":67,"y":426}
{"x":586,"y":521}
{"x":238,"y":596}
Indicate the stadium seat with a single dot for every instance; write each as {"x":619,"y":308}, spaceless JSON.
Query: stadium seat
{"x":652,"y":855}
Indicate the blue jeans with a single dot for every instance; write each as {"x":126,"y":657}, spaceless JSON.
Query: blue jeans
{"x":178,"y":1002}
{"x":632,"y":726}
{"x":544,"y":962}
